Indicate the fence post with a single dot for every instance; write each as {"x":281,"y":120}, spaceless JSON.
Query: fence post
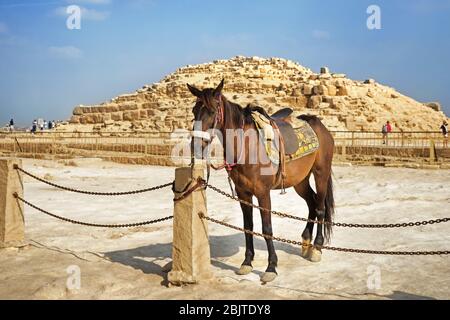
{"x":432,"y":151}
{"x":12,"y":221}
{"x":190,"y":252}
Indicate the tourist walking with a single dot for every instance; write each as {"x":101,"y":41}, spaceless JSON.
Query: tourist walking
{"x":34,"y":126}
{"x":11,"y":125}
{"x":387,"y":128}
{"x":444,"y":130}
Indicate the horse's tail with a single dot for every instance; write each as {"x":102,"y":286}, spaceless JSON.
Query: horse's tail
{"x":329,"y":209}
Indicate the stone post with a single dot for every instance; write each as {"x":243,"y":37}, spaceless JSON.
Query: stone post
{"x":190,"y":252}
{"x":12,"y":222}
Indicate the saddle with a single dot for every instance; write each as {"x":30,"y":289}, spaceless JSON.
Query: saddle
{"x":283,"y":122}
{"x":296,"y":134}
{"x":285,"y":139}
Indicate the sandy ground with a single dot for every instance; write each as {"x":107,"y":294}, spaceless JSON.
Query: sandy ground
{"x":128,"y":263}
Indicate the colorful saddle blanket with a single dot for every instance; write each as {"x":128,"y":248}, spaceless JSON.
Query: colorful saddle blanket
{"x":307,"y":138}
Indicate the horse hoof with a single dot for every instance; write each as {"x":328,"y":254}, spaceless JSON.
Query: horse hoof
{"x":244,"y":269}
{"x":316,"y":255}
{"x":268,"y":277}
{"x":306,"y":249}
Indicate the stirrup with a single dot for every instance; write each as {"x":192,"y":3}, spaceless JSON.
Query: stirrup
{"x":283,"y":190}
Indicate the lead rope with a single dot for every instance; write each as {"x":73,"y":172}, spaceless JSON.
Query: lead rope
{"x":230,"y":182}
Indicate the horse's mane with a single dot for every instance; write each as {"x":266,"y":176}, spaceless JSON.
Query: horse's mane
{"x":251,"y":107}
{"x":238,"y":113}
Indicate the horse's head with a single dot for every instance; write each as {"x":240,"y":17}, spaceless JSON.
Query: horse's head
{"x":208,"y":116}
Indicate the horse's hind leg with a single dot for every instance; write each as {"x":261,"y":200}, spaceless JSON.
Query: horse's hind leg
{"x":305,"y":191}
{"x":321,"y":176}
{"x":247,"y":211}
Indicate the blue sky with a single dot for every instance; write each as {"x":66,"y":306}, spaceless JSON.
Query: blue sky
{"x":47,"y":69}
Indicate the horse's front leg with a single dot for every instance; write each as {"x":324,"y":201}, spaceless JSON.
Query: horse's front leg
{"x":247,"y":211}
{"x":264,"y":202}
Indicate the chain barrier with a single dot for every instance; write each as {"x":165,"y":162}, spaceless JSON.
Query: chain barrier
{"x":92,"y":192}
{"x":337,"y":224}
{"x":352,"y":250}
{"x":186,"y":192}
{"x":127,"y":225}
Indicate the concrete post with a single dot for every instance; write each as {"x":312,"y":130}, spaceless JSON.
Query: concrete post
{"x":190,"y":252}
{"x":12,"y":222}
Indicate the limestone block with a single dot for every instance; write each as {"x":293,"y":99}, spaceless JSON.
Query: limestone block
{"x":325,"y":76}
{"x":106,"y":117}
{"x":434,"y":105}
{"x":126,"y":106}
{"x":314,"y":102}
{"x":307,"y":89}
{"x":342,"y":91}
{"x":77,"y":111}
{"x":143,"y":114}
{"x":74,"y":119}
{"x":12,"y":224}
{"x":117,"y":116}
{"x":301,"y":102}
{"x":332,"y":90}
{"x":131,"y":115}
{"x":320,"y":90}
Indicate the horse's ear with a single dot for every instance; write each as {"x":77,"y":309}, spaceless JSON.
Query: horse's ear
{"x":218,"y":90}
{"x":196,"y":92}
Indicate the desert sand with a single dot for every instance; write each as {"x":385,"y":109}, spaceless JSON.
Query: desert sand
{"x":129,"y":263}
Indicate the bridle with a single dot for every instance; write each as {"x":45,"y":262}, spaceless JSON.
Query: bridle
{"x":219,"y":119}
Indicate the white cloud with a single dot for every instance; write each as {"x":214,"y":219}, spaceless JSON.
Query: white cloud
{"x":87,"y":14}
{"x":3,"y":27}
{"x":321,"y":34}
{"x":66,"y":52}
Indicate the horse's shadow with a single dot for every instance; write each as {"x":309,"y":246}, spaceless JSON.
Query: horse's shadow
{"x":146,"y":258}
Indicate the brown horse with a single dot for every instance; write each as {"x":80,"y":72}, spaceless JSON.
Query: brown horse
{"x":212,"y":111}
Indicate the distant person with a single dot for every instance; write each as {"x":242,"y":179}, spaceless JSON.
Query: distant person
{"x":444,"y":129}
{"x":50,"y":125}
{"x":34,"y":127}
{"x":385,"y":131}
{"x":11,"y":125}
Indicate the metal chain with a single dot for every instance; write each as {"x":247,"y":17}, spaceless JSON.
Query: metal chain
{"x":364,"y":251}
{"x":92,"y":192}
{"x":128,"y":225}
{"x":337,"y":224}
